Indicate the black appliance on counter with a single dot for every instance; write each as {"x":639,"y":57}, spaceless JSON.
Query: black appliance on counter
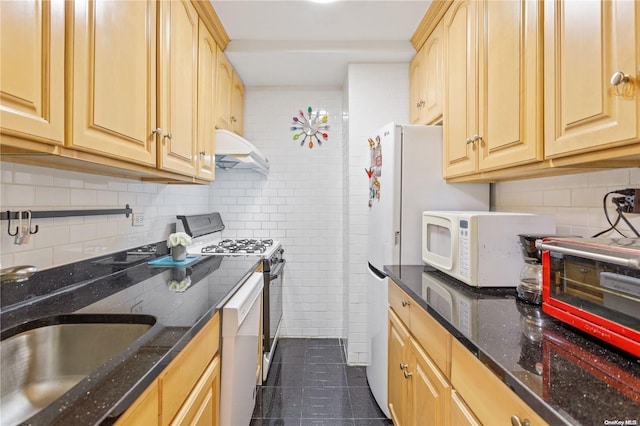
{"x":206,"y":229}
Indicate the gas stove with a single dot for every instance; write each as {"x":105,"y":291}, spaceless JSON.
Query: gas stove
{"x":206,"y":231}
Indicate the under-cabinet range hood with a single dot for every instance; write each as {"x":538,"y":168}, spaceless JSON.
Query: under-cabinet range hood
{"x":235,"y":152}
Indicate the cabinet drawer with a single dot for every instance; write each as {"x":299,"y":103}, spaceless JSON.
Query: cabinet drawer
{"x":400,"y":302}
{"x":434,"y":338}
{"x":180,"y":377}
{"x":486,"y":395}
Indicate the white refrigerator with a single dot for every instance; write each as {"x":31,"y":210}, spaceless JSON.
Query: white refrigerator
{"x":405,"y":178}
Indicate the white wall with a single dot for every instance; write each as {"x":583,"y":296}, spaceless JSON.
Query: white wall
{"x":300,"y":203}
{"x":377,"y":95}
{"x":65,"y":240}
{"x":575,"y":200}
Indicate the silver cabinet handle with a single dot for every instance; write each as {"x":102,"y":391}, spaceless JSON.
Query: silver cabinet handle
{"x":619,"y":77}
{"x":477,"y":138}
{"x":407,"y":374}
{"x":202,"y":154}
{"x":405,"y":303}
{"x":403,"y":366}
{"x":469,"y":140}
{"x":167,"y":136}
{"x":157,"y":131}
{"x":233,"y":119}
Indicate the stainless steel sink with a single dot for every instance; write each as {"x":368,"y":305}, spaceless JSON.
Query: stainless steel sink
{"x":42,"y":360}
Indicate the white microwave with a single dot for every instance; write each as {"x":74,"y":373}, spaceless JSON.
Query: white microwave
{"x":480,"y":249}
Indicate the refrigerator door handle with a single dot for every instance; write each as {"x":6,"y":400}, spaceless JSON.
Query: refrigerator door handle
{"x":377,"y":272}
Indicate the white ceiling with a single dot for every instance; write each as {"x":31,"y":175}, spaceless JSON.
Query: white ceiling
{"x":302,"y":43}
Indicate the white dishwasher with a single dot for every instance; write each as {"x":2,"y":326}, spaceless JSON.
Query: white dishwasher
{"x":240,"y":339}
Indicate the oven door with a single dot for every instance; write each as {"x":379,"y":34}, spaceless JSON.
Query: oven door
{"x":271,"y":313}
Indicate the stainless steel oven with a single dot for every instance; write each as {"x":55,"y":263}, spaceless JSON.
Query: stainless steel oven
{"x":273,"y":270}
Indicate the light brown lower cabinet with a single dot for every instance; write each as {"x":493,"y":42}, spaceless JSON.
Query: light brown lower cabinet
{"x":489,"y":399}
{"x":201,"y":407}
{"x":187,"y":392}
{"x":144,"y":411}
{"x":418,"y":391}
{"x":461,"y":415}
{"x":398,"y":389}
{"x":433,"y":380}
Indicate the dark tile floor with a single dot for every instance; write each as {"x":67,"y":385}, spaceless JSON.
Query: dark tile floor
{"x":310,"y":384}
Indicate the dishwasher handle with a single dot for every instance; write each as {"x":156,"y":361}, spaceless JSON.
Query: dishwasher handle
{"x":238,"y":307}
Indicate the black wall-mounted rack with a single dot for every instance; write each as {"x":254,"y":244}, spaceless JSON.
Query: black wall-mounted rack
{"x":9,"y":215}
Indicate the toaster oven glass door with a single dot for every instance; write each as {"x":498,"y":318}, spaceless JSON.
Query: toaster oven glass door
{"x":600,"y":291}
{"x":600,"y":298}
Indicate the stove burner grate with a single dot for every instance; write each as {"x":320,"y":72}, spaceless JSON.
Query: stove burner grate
{"x":248,"y":246}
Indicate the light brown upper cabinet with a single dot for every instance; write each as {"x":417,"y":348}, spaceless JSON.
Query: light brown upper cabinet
{"x":114,"y":88}
{"x":237,"y":105}
{"x":224,"y":76}
{"x":178,"y":89}
{"x":492,"y":115}
{"x":206,"y":103}
{"x":426,"y":80}
{"x":586,"y":43}
{"x":460,"y":115}
{"x":32,"y":70}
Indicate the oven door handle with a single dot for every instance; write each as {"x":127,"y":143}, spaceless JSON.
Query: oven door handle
{"x":276,"y":273}
{"x":630,"y":263}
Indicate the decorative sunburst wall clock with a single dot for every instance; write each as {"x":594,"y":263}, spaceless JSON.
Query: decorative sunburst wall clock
{"x":313,"y":125}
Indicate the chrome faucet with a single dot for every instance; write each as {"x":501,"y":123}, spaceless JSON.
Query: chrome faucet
{"x":17,"y":273}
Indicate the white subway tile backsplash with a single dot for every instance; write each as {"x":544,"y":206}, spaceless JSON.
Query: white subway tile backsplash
{"x":575,"y":200}
{"x":18,"y":195}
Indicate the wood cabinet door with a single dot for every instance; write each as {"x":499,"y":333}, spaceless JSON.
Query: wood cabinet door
{"x":114,"y":79}
{"x":207,"y":50}
{"x":461,"y":415}
{"x":144,"y":410}
{"x":32,"y":85}
{"x":202,"y":406}
{"x":186,"y":370}
{"x":237,"y":104}
{"x":178,"y":90}
{"x":510,"y":83}
{"x":433,"y":76}
{"x":398,"y":388}
{"x":585,"y":43}
{"x":417,"y":87}
{"x":429,"y":390}
{"x":460,"y":115}
{"x":224,"y":76}
{"x":474,"y":381}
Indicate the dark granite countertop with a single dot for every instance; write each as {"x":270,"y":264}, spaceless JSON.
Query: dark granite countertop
{"x":180,"y":305}
{"x":566,"y":376}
